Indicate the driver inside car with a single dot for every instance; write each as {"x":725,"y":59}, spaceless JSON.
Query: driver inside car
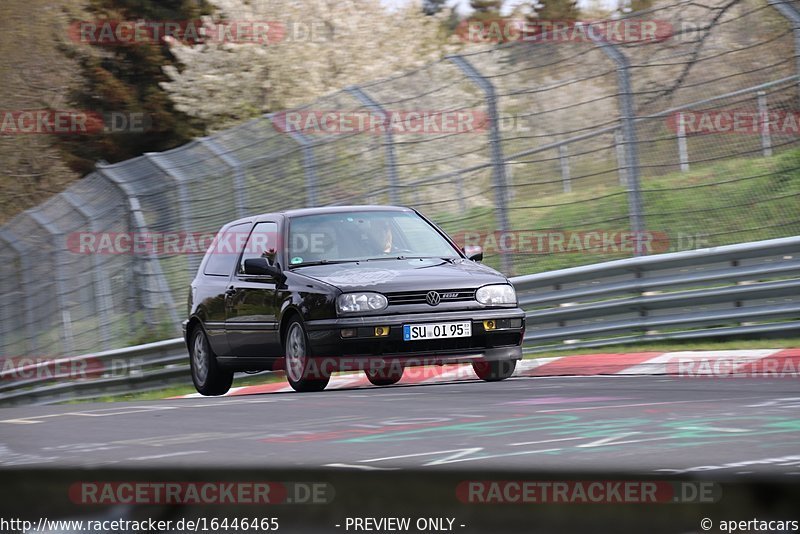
{"x":382,"y":237}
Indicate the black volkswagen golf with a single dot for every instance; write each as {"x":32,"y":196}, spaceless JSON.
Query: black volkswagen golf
{"x":319,"y":290}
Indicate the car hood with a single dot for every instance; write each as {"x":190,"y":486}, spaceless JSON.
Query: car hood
{"x":403,"y":275}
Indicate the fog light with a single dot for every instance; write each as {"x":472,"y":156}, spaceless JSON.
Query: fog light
{"x":381,"y":331}
{"x":348,"y":332}
{"x":489,"y":325}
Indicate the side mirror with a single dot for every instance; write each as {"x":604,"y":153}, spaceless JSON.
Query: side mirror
{"x":260,"y":266}
{"x":473,"y":252}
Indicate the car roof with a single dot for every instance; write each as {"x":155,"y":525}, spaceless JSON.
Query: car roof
{"x":317,"y":211}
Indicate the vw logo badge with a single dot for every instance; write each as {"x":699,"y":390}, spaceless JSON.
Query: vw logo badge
{"x":433,"y":298}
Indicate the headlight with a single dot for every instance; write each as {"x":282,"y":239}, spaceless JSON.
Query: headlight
{"x":496,"y":294}
{"x":360,"y":302}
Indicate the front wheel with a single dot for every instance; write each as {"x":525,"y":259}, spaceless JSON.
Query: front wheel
{"x":384,"y":377}
{"x":301,"y":372}
{"x":494,"y":370}
{"x":208,"y":377}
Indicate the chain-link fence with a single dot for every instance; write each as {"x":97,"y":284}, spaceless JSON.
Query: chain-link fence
{"x":551,"y":152}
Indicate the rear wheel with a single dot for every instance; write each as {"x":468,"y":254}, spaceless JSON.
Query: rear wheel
{"x":494,"y":370}
{"x":384,"y":377}
{"x":300,"y":371}
{"x":208,"y":377}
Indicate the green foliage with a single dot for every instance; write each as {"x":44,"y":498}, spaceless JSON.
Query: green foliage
{"x":732,"y":201}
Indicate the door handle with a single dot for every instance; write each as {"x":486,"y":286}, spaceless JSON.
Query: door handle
{"x":231,"y":291}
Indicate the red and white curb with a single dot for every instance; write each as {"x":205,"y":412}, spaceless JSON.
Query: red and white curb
{"x":766,"y":363}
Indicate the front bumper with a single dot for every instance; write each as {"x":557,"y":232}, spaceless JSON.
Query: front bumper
{"x":502,"y":343}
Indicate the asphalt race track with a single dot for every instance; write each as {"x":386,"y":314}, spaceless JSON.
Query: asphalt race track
{"x":636,"y":424}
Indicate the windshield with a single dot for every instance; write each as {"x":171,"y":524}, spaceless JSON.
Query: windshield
{"x":364,"y":235}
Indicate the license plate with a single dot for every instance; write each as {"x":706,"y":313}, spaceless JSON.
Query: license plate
{"x":414,"y":332}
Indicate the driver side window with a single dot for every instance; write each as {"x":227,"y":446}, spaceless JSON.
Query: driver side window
{"x":262,"y":243}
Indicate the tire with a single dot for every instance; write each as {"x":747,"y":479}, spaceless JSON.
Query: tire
{"x":208,"y":377}
{"x":299,"y":369}
{"x":495,"y":370}
{"x":384,"y":377}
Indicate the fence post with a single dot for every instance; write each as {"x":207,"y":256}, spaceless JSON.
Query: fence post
{"x":309,"y":163}
{"x":764,"y":123}
{"x":103,"y":300}
{"x":631,"y":144}
{"x":563,"y":160}
{"x":391,"y":160}
{"x":790,"y":13}
{"x":140,"y":225}
{"x":498,"y":163}
{"x":619,"y":148}
{"x":60,"y":250}
{"x":24,"y":263}
{"x":683,"y":149}
{"x":238,"y":174}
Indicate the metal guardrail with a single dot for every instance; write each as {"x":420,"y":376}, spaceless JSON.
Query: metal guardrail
{"x":748,"y":288}
{"x":133,"y":369}
{"x":743,"y":289}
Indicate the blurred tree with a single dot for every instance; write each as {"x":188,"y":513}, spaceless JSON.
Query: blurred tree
{"x":485,"y":9}
{"x":315,"y":48}
{"x":556,"y":10}
{"x":122,"y":81}
{"x":432,"y":7}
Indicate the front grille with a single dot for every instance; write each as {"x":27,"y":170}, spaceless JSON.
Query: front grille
{"x":418,"y":297}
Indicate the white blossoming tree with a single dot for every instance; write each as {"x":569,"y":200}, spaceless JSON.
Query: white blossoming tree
{"x":327,"y":45}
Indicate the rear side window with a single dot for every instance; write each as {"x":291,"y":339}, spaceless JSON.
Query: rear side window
{"x":225,"y":250}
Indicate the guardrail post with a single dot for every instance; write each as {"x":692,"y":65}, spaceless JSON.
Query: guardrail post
{"x":60,"y":251}
{"x":683,"y":149}
{"x":309,"y":163}
{"x":138,"y":223}
{"x":391,"y":160}
{"x":24,"y":262}
{"x":233,"y":162}
{"x":563,"y":160}
{"x":631,"y":144}
{"x":498,"y":162}
{"x":764,"y":123}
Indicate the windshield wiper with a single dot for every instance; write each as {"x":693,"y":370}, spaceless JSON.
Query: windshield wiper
{"x":321,"y":262}
{"x":401,"y":257}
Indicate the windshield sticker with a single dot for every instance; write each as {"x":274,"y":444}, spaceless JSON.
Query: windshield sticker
{"x":297,"y":259}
